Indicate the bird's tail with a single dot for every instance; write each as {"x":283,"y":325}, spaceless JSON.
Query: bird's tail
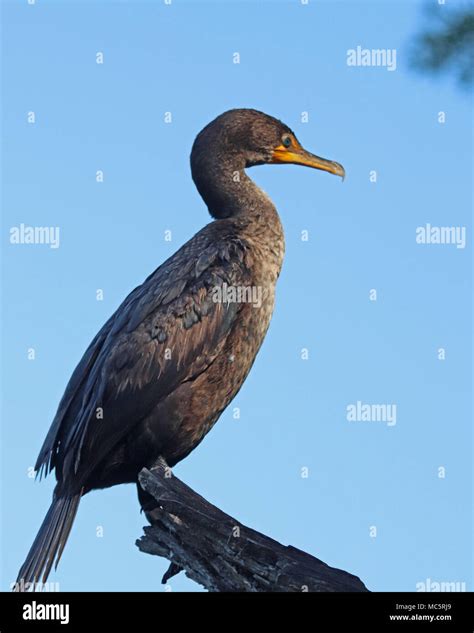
{"x":49,"y":542}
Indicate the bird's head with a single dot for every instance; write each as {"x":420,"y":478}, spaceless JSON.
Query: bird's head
{"x":255,"y":138}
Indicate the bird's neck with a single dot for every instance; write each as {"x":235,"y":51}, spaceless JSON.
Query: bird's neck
{"x":229,"y":192}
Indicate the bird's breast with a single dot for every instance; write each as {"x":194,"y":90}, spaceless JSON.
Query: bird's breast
{"x":193,"y":409}
{"x":180,"y":420}
{"x":185,"y":416}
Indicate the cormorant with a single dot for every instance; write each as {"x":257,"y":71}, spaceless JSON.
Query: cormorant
{"x":171,"y":358}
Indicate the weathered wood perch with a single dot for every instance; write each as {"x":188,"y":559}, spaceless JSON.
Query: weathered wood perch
{"x":220,"y":553}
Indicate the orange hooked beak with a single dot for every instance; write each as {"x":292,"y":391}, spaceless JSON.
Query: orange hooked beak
{"x":297,"y":155}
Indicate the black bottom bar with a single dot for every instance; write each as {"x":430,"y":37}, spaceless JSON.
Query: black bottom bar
{"x":236,"y":613}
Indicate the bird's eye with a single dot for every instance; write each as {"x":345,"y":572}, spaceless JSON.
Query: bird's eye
{"x":286,"y":140}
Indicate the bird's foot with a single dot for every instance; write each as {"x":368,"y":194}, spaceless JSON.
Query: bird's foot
{"x":160,"y":466}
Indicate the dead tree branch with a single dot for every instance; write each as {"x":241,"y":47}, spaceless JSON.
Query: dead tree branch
{"x":218,"y":552}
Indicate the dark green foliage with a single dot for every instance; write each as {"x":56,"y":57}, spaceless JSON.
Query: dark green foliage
{"x":447,"y":44}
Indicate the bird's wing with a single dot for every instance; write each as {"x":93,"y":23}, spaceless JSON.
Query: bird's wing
{"x":125,"y":371}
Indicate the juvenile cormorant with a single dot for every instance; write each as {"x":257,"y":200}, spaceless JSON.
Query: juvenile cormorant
{"x":167,"y":363}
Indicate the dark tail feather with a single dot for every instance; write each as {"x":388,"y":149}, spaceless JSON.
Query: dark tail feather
{"x":49,"y":542}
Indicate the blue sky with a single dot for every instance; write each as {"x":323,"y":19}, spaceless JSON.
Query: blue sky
{"x":110,"y":117}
